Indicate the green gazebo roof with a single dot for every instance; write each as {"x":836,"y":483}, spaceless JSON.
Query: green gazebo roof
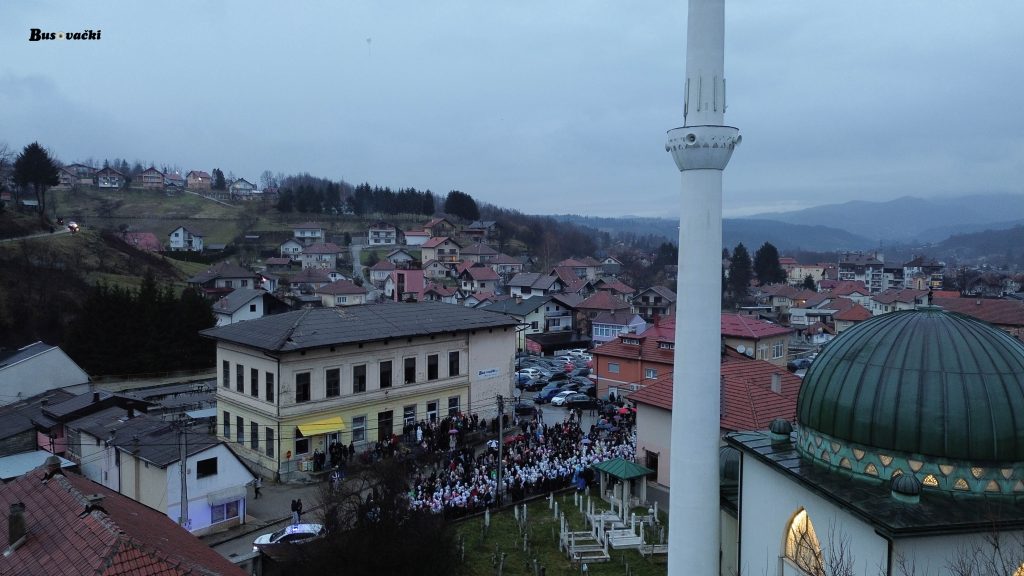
{"x":925,"y":382}
{"x":622,"y":469}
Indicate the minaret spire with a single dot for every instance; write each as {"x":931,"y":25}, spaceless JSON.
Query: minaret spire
{"x":701,"y":150}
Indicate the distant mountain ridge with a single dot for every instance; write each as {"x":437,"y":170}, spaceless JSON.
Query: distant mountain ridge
{"x":912,"y":219}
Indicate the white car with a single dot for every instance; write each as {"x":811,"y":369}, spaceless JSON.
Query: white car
{"x":530,"y":372}
{"x":291,"y":534}
{"x":559,"y":399}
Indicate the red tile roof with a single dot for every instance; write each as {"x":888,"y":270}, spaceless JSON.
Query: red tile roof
{"x":844,"y":287}
{"x":748,"y":402}
{"x":603,"y":301}
{"x":383,"y":265}
{"x":851,"y":312}
{"x":120,"y":537}
{"x":999,"y":312}
{"x":438,"y":240}
{"x":905,"y":295}
{"x":745,"y":326}
{"x":648,"y":349}
{"x":322,"y":248}
{"x":277,"y":261}
{"x":615,"y":285}
{"x":481,"y":273}
{"x":342,"y":287}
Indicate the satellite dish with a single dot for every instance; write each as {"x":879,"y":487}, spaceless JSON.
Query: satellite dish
{"x":741,"y":349}
{"x":750,"y":352}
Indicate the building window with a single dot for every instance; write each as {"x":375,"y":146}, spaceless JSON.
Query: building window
{"x":432,"y":411}
{"x":239,"y":430}
{"x":384,"y":429}
{"x":613,"y":367}
{"x":652,"y":462}
{"x":333,"y":378}
{"x":358,"y":428}
{"x":453,"y":364}
{"x":207,"y":467}
{"x":254,"y":435}
{"x":227,"y":425}
{"x":226,"y":376}
{"x":777,"y":350}
{"x":239,"y":378}
{"x":762,"y":352}
{"x":301,"y":446}
{"x":432,"y":367}
{"x":252,"y":307}
{"x":270,"y":441}
{"x":270,"y":386}
{"x":225,"y":511}
{"x":254,"y":382}
{"x":650,"y":373}
{"x":802,"y":548}
{"x":410,"y":370}
{"x":453,"y":405}
{"x":302,"y":387}
{"x":359,"y":378}
{"x":409,"y":415}
{"x":385,"y":374}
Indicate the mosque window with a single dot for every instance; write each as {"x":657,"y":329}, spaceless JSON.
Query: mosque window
{"x":977,"y":472}
{"x":915,"y":465}
{"x":961,"y":484}
{"x":930,"y":481}
{"x":885,"y":458}
{"x":992,"y":486}
{"x":858,"y":453}
{"x":845,"y":463}
{"x":871,"y":469}
{"x":1007,"y":473}
{"x":802,"y":547}
{"x":946,"y":469}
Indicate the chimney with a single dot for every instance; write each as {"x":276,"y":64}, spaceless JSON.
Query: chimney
{"x":95,"y":397}
{"x":16,"y":524}
{"x":777,"y":383}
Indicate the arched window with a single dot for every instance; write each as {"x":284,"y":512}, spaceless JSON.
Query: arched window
{"x":802,"y":547}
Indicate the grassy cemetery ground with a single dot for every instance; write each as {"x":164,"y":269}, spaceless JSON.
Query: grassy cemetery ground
{"x":485,"y":547}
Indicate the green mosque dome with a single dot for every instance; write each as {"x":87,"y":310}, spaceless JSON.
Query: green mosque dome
{"x":919,"y":386}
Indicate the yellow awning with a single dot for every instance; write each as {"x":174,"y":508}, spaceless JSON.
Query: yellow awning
{"x":322,"y":426}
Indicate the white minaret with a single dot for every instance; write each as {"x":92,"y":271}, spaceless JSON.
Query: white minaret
{"x":701,"y":149}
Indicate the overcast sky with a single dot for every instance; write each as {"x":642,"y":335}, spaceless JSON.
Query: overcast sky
{"x":545,"y":107}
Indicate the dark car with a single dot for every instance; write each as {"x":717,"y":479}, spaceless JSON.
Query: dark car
{"x":547,"y":393}
{"x":799,"y":364}
{"x":580,"y":372}
{"x":589,"y":390}
{"x":582,"y":401}
{"x":526,"y":410}
{"x":534,"y":385}
{"x":569,"y":385}
{"x":558,"y":377}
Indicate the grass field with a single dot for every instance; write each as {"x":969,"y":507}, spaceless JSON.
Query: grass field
{"x":504,"y":536}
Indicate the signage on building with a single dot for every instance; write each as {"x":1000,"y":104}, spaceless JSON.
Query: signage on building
{"x":488,"y":373}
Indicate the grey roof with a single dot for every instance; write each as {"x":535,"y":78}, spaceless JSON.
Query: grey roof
{"x":318,"y":327}
{"x":479,"y":249}
{"x":661,"y":291}
{"x":518,"y":307}
{"x":616,"y":318}
{"x":222,"y":270}
{"x":156,"y":441}
{"x":18,"y":417}
{"x":23,"y":353}
{"x":533,"y":280}
{"x":236,"y":299}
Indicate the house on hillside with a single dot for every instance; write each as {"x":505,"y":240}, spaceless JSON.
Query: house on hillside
{"x":185,"y":239}
{"x":506,"y":266}
{"x":441,"y":248}
{"x":308,"y":233}
{"x":242,"y":188}
{"x":478,"y":278}
{"x":848,"y":314}
{"x":439,"y":293}
{"x":342,"y":293}
{"x":480,"y":230}
{"x":759,"y":338}
{"x":149,"y":179}
{"x":109,"y":178}
{"x":222,"y":278}
{"x":615,"y":286}
{"x":435,"y":270}
{"x":382,"y":234}
{"x":355,"y":376}
{"x":291,"y":248}
{"x":37,"y":368}
{"x":404,"y":285}
{"x":174,"y":181}
{"x":198,"y":181}
{"x":400,"y":257}
{"x":438,"y":227}
{"x":415,"y":237}
{"x":606,"y":326}
{"x":527,"y":284}
{"x":240,"y":305}
{"x":479,"y":253}
{"x":896,"y":299}
{"x":309,"y":280}
{"x":72,"y":525}
{"x":323,"y":255}
{"x":654,"y":302}
{"x":380,"y":271}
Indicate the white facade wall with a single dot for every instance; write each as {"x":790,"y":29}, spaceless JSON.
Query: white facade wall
{"x":246,"y":312}
{"x":231,"y":473}
{"x":654,"y":434}
{"x":49,"y":370}
{"x":768,"y":500}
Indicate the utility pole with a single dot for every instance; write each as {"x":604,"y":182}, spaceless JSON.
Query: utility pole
{"x":501,"y":443}
{"x":183,"y":444}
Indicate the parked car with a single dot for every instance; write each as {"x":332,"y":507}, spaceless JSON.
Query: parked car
{"x":798,"y":364}
{"x":580,"y":372}
{"x":291,"y":534}
{"x":534,"y":385}
{"x":546,"y":393}
{"x":588,"y":389}
{"x":559,"y":399}
{"x":528,"y":372}
{"x":558,"y":377}
{"x":580,"y":400}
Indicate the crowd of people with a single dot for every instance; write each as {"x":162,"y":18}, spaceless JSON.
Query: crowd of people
{"x":540,"y":458}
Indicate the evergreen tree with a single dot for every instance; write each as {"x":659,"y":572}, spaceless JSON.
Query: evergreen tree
{"x":218,"y":180}
{"x":766,"y":265}
{"x":462,"y":205}
{"x":809,"y":283}
{"x":36,"y":169}
{"x":740,"y":274}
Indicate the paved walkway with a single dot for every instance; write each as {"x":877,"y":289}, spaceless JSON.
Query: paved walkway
{"x":272,"y":507}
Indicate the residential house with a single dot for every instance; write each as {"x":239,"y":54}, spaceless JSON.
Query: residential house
{"x":479,"y":253}
{"x":308,"y":233}
{"x":109,"y":178}
{"x":143,"y":241}
{"x":536,"y":316}
{"x":654,"y":303}
{"x":571,"y":283}
{"x":342,"y":293}
{"x":309,"y":280}
{"x":149,"y":179}
{"x":242,"y":188}
{"x":322,"y":255}
{"x":18,"y":419}
{"x":53,"y":427}
{"x":140,"y":458}
{"x":817,"y":334}
{"x":441,"y":248}
{"x":767,"y":341}
{"x":527,"y":284}
{"x":198,"y":181}
{"x":185,"y":239}
{"x":439,"y":227}
{"x":69,"y":524}
{"x":848,"y":314}
{"x":611,"y":266}
{"x":606,"y":326}
{"x":65,"y":179}
{"x":400,"y":257}
{"x":382,"y":234}
{"x":478,"y":278}
{"x":404,"y":285}
{"x":439,"y":293}
{"x":866,"y":268}
{"x":174,"y":180}
{"x":35,"y":369}
{"x":506,"y":266}
{"x":1007,"y":315}
{"x":855,"y":291}
{"x":82,"y":175}
{"x":306,"y":379}
{"x":435,"y":270}
{"x":629,"y":362}
{"x":481,"y":299}
{"x":615,"y":286}
{"x":599,"y":302}
{"x":796,"y":272}
{"x":584,"y":268}
{"x":416,"y":237}
{"x":753,"y":394}
{"x":291,"y":248}
{"x":923,"y":274}
{"x":380,"y":271}
{"x":479,"y":230}
{"x":896,"y":299}
{"x":222,"y":278}
{"x":240,"y":305}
